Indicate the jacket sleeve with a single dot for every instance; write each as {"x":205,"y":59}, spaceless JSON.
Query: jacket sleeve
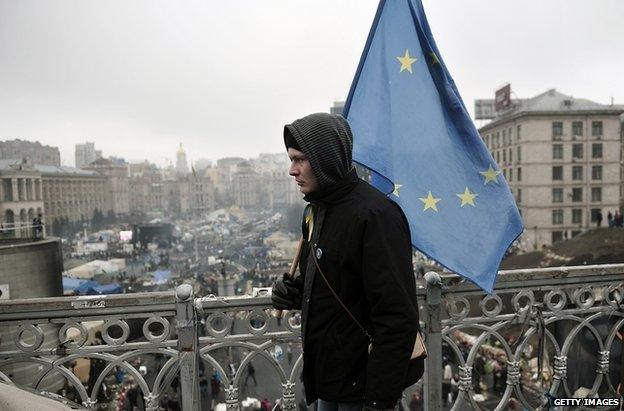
{"x":390,"y":289}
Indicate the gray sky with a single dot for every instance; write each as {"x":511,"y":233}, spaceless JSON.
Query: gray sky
{"x":224,"y":76}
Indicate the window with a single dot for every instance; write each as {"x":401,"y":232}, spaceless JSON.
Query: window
{"x":498,"y":157}
{"x":557,"y":151}
{"x":511,"y":174}
{"x":519,"y":174}
{"x":597,"y":150}
{"x":596,"y":194}
{"x":510,"y":155}
{"x":577,"y":150}
{"x":504,"y":156}
{"x":596,"y":128}
{"x":557,"y":173}
{"x":509,"y":134}
{"x":596,"y":172}
{"x":557,"y":236}
{"x":577,"y":128}
{"x":557,"y":217}
{"x":504,"y":137}
{"x":577,"y":194}
{"x":519,"y":195}
{"x":557,"y":195}
{"x":577,"y":172}
{"x":594,"y":214}
{"x":557,"y":130}
{"x":518,"y":129}
{"x":497,"y":139}
{"x":519,"y":154}
{"x":577,"y":216}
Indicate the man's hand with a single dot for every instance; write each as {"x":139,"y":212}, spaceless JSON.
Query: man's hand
{"x":286,"y":293}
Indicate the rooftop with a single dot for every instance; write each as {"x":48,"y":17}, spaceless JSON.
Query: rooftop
{"x":12,"y":164}
{"x":553,"y":101}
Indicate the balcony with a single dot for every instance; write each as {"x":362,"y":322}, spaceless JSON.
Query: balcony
{"x":571,"y":318}
{"x":20,"y":232}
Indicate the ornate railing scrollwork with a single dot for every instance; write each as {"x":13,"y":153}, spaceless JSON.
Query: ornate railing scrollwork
{"x":465,"y":377}
{"x":541,"y":313}
{"x":603,"y":362}
{"x":561,"y":367}
{"x":231,"y":398}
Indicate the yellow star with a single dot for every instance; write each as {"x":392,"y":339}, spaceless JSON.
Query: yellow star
{"x":396,"y":189}
{"x":467,"y":197}
{"x":406,"y":62}
{"x":490,"y":175}
{"x":430,"y":202}
{"x":434,"y":58}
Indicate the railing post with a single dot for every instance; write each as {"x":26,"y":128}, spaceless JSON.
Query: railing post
{"x":433,"y":363}
{"x":186,"y":325}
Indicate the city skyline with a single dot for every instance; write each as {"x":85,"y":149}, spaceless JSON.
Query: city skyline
{"x":223,"y":78}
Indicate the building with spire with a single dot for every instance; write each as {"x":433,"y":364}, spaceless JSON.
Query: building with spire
{"x":181,"y":164}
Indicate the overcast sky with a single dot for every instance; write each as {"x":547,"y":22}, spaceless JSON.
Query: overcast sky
{"x":224,"y":76}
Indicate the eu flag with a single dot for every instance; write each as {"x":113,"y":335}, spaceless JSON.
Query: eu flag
{"x":412,"y":130}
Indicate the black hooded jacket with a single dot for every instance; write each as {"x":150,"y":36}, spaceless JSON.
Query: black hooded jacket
{"x":362,"y":242}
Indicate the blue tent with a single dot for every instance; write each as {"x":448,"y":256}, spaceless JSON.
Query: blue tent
{"x":90,"y":287}
{"x":162,"y":276}
{"x":113,"y":288}
{"x":72,"y":284}
{"x":87,"y":288}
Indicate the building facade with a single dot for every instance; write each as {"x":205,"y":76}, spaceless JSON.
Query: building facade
{"x":117,"y":185}
{"x":35,"y":152}
{"x":85,"y":154}
{"x":246,"y":186}
{"x":21,"y":195}
{"x":562,"y":159}
{"x":72,"y":194}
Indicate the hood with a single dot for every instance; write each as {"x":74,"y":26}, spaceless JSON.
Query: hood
{"x":327,"y":141}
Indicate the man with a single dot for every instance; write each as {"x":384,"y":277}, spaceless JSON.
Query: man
{"x":361,"y":242}
{"x":38,"y":227}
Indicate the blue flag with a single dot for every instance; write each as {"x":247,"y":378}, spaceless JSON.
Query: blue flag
{"x":412,"y":130}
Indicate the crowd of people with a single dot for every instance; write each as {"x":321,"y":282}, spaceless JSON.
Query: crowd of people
{"x":613,"y":220}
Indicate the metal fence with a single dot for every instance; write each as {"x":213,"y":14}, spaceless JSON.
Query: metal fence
{"x":20,"y":230}
{"x":571,"y":318}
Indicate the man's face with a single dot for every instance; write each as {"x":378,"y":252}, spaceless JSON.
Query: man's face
{"x":301,"y":170}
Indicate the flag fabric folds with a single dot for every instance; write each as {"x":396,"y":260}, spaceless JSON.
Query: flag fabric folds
{"x":412,"y":130}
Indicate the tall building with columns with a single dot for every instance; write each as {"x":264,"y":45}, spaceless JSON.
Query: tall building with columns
{"x":72,"y":193}
{"x":21,"y":195}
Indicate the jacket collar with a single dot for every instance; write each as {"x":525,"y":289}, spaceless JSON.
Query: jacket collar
{"x":335,"y":192}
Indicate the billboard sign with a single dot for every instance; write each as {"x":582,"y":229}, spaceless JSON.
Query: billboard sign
{"x":502,"y":98}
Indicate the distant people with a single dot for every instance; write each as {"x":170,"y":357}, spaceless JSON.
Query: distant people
{"x":289,"y":353}
{"x":265,"y":405}
{"x":38,"y":227}
{"x":599,"y":218}
{"x":610,"y":220}
{"x":215,"y":389}
{"x":617,"y":219}
{"x":447,"y":376}
{"x":251,"y":373}
{"x":416,"y":403}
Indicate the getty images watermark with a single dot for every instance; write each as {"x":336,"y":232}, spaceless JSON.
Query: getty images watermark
{"x":586,"y":402}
